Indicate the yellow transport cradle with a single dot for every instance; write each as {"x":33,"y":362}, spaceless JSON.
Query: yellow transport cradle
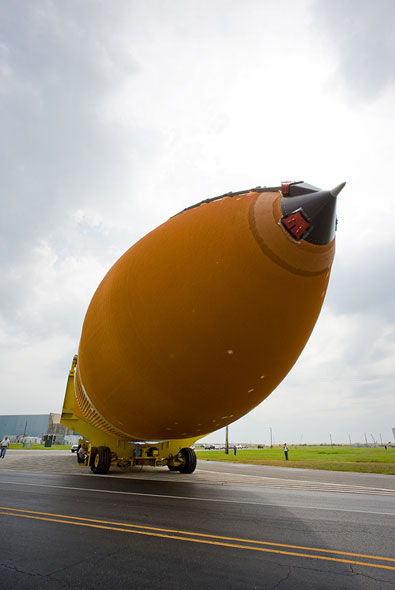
{"x":104,"y":450}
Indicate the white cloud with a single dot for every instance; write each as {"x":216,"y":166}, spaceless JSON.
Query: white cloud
{"x":361,"y":32}
{"x":33,"y":379}
{"x":115,"y":119}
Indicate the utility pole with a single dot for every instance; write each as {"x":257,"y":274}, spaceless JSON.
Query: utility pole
{"x":381,"y":440}
{"x":349,"y":438}
{"x":330,"y":436}
{"x":271,"y":438}
{"x":366,"y":440}
{"x":227,"y":440}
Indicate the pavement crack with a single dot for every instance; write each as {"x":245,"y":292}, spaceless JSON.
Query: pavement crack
{"x":283,"y":579}
{"x":20,"y":571}
{"x":381,"y":580}
{"x":81,"y":561}
{"x":322,"y":570}
{"x":67,"y":567}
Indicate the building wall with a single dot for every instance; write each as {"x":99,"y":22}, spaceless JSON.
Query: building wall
{"x":30,"y":425}
{"x":34,"y":425}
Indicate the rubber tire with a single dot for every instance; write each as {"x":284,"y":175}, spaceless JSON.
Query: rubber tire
{"x":173,"y":468}
{"x":189,"y":456}
{"x":92,"y":456}
{"x":102,"y":465}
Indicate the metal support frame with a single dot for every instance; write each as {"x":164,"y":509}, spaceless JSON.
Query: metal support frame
{"x":124,"y":454}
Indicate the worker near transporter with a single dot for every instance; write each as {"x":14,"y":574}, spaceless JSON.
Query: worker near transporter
{"x":4,"y":446}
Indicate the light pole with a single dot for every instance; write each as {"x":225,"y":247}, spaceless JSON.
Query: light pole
{"x":227,"y":440}
{"x":271,"y":438}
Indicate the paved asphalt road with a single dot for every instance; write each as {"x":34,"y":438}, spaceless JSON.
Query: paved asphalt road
{"x":223,"y":527}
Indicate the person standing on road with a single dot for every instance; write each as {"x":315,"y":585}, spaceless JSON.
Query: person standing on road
{"x":286,"y":451}
{"x":4,"y":446}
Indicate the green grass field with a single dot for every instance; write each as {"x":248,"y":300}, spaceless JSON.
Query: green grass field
{"x":333,"y":458}
{"x":41,"y":447}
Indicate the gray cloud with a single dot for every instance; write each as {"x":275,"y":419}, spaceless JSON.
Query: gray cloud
{"x":361,"y":33}
{"x":55,"y":152}
{"x":116,"y":116}
{"x":365,"y":284}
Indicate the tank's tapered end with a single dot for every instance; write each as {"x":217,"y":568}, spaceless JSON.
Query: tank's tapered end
{"x":310,"y":213}
{"x":335,"y":191}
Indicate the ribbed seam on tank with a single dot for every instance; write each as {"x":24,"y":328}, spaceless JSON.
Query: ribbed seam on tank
{"x":264,"y":240}
{"x":91,"y":414}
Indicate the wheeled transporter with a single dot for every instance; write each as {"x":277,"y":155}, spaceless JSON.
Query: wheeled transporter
{"x":104,"y":450}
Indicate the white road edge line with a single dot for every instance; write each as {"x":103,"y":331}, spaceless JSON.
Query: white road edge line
{"x":223,"y":501}
{"x":308,"y":484}
{"x":264,"y":477}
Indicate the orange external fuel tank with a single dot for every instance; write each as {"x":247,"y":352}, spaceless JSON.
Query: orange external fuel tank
{"x":201,"y":319}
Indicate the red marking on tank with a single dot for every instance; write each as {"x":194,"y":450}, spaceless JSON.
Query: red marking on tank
{"x":296,"y":224}
{"x":285,"y":186}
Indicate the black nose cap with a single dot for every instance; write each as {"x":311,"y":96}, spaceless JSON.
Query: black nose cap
{"x":310,"y":216}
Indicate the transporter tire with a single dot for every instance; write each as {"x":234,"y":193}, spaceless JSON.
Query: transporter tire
{"x":100,"y":460}
{"x":92,"y":456}
{"x":189,"y":457}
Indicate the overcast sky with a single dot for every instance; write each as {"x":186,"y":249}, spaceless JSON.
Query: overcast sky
{"x":116,"y":115}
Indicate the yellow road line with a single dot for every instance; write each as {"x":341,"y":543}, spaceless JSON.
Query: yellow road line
{"x":207,"y":539}
{"x":205,"y":535}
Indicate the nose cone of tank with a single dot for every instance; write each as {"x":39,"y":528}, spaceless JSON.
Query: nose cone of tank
{"x":335,"y":191}
{"x":312,"y":213}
